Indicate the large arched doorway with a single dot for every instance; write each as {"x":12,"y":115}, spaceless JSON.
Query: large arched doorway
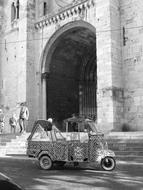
{"x":72,"y":74}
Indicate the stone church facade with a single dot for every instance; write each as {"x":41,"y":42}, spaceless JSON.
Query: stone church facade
{"x":73,"y":56}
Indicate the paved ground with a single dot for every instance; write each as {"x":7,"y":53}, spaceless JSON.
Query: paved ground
{"x":25,"y":172}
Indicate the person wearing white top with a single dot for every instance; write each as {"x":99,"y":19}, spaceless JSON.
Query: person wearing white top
{"x":23,"y":117}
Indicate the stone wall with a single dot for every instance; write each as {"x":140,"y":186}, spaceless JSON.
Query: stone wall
{"x":13,"y":61}
{"x":25,"y":43}
{"x":104,"y":16}
{"x":31,"y":79}
{"x":49,"y":32}
{"x":117,"y":67}
{"x":132,"y":48}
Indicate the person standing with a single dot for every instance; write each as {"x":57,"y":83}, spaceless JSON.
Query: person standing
{"x":13,"y":123}
{"x":2,"y":117}
{"x":23,"y":117}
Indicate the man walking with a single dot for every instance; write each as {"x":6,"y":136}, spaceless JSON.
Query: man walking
{"x":2,"y":117}
{"x":23,"y":117}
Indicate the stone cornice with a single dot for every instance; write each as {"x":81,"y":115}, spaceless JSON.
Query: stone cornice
{"x":67,"y":12}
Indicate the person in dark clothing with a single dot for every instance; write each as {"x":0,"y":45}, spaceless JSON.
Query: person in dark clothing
{"x":49,"y":125}
{"x":2,"y":118}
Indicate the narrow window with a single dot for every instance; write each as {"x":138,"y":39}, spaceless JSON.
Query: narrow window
{"x":17,"y":9}
{"x":44,"y":8}
{"x":13,"y":12}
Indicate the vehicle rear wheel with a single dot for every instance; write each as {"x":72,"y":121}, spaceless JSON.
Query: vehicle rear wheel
{"x":108,"y":163}
{"x":45,"y":162}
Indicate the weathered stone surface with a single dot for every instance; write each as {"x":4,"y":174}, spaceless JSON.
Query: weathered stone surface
{"x":25,"y":43}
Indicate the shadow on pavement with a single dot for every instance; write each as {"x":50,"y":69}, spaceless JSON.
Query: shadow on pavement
{"x":127,"y":175}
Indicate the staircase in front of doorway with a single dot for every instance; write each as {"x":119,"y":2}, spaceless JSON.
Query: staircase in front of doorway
{"x":13,"y":144}
{"x":127,"y":146}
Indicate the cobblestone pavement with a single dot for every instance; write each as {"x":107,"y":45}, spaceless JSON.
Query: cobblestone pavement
{"x":25,"y":172}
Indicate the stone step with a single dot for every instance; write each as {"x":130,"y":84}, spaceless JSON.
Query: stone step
{"x":18,"y":140}
{"x":4,"y":140}
{"x":7,"y":137}
{"x":125,"y":146}
{"x":15,"y":153}
{"x":15,"y":150}
{"x":125,"y":140}
{"x":22,"y":138}
{"x":127,"y":149}
{"x":20,"y":156}
{"x":129,"y":158}
{"x":24,"y":135}
{"x":16,"y":143}
{"x":125,"y":134}
{"x":2,"y":147}
{"x":3,"y":143}
{"x":2,"y":152}
{"x":129,"y":153}
{"x":13,"y":144}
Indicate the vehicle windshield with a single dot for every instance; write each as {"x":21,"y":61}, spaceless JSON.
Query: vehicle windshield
{"x":40,"y":134}
{"x":71,"y":127}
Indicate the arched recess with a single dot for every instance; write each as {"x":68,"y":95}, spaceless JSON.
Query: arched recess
{"x":69,"y":72}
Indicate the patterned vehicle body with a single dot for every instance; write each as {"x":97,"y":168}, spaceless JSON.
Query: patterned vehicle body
{"x":83,"y":143}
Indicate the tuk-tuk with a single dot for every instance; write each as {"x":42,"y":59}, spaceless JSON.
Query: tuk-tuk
{"x":79,"y":142}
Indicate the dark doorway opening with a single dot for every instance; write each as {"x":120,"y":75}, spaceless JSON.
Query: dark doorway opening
{"x":72,"y":81}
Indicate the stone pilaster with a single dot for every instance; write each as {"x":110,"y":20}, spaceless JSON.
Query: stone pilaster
{"x":109,"y":65}
{"x":132,"y":47}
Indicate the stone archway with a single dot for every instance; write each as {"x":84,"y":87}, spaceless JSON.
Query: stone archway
{"x":70,"y":72}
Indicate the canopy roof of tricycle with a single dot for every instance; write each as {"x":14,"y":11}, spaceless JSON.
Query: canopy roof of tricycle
{"x":83,"y":123}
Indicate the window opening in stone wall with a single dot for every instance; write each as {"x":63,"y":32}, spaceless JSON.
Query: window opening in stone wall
{"x":13,"y":12}
{"x":44,"y":8}
{"x":124,"y":37}
{"x":17,"y":9}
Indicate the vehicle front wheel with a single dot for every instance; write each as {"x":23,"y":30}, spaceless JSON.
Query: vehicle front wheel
{"x":45,"y":162}
{"x":108,"y":163}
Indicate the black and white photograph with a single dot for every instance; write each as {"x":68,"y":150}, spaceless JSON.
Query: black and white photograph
{"x":71,"y":94}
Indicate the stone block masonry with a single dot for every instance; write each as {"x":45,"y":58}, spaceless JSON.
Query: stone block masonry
{"x":118,"y":28}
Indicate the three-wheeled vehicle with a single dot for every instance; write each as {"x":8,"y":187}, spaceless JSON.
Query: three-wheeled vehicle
{"x":79,"y":142}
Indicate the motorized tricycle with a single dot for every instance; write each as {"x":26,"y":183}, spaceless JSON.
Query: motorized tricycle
{"x":78,"y":142}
